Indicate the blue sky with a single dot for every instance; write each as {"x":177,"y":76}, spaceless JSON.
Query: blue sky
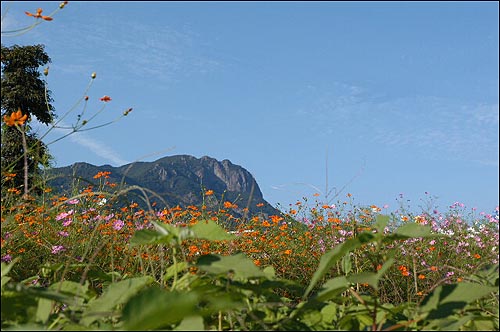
{"x":399,"y":97}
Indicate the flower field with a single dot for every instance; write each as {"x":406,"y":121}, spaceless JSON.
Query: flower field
{"x":63,"y":256}
{"x":93,"y":260}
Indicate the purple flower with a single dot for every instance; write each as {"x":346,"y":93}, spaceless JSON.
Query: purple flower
{"x":57,"y":249}
{"x":7,"y":258}
{"x":118,"y":224}
{"x":63,"y":233}
{"x":73,"y":201}
{"x":67,"y":222}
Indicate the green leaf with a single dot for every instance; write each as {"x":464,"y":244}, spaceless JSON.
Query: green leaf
{"x":7,"y":267}
{"x":329,"y":313}
{"x":175,"y":269}
{"x":369,"y":278}
{"x":346,"y":263}
{"x":332,"y":287}
{"x":240,"y":265}
{"x":149,"y":236}
{"x":332,"y":256}
{"x":116,"y":294}
{"x":413,"y":230}
{"x":155,"y":308}
{"x":446,"y":299}
{"x":191,"y":323}
{"x":381,"y":222}
{"x":43,"y":310}
{"x":208,"y":229}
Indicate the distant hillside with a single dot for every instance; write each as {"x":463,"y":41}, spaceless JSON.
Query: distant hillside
{"x":178,"y":180}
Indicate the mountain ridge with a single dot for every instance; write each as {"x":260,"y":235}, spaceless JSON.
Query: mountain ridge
{"x":177,"y":179}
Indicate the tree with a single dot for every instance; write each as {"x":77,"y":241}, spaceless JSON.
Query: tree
{"x":23,"y":89}
{"x":22,"y":86}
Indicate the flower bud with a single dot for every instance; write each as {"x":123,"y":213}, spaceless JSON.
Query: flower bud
{"x":93,"y":75}
{"x":86,"y":98}
{"x":46,"y":71}
{"x":62,"y":4}
{"x":84,"y":122}
{"x":127,"y":112}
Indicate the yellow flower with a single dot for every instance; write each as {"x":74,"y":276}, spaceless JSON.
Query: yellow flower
{"x":16,"y":118}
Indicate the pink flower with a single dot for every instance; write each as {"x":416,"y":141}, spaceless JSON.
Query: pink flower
{"x":57,"y":249}
{"x":118,"y":224}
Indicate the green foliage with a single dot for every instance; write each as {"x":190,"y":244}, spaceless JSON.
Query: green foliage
{"x":22,"y":86}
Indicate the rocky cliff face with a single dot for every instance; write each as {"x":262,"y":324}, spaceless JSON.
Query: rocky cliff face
{"x":180,"y":180}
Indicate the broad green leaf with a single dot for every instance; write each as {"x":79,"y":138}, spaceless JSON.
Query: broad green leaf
{"x":155,"y":308}
{"x":191,"y":323}
{"x":269,"y":272}
{"x":208,"y":229}
{"x":446,"y":299}
{"x":116,"y":294}
{"x":312,"y":318}
{"x":149,"y":236}
{"x":240,"y":265}
{"x":369,"y":278}
{"x":179,"y":233}
{"x":5,"y":280}
{"x":381,"y":223}
{"x":71,"y":288}
{"x":43,"y":310}
{"x":329,"y":313}
{"x":76,"y":291}
{"x":175,"y":269}
{"x":332,"y":256}
{"x":346,"y":264}
{"x":7,"y":267}
{"x":412,"y":230}
{"x":332,"y":287}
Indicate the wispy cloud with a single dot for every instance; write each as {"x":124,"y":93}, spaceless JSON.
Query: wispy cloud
{"x":95,"y":146}
{"x":141,"y":51}
{"x":440,"y":127}
{"x":99,"y":148}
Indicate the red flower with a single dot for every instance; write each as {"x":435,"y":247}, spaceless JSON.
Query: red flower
{"x":39,"y":15}
{"x":105,"y":99}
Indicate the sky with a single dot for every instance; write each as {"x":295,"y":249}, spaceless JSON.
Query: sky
{"x":392,"y":102}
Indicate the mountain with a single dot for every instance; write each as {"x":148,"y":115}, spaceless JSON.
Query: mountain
{"x":178,"y":180}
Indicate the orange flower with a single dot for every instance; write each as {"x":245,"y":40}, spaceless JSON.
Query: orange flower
{"x":209,"y":192}
{"x":421,"y":276}
{"x":16,"y":118}
{"x":256,"y":262}
{"x":228,"y":205}
{"x":433,"y":268}
{"x":287,"y":252}
{"x":39,"y":15}
{"x":260,"y":205}
{"x":105,"y":99}
{"x":316,"y":195}
{"x":104,"y":174}
{"x":276,"y":219}
{"x":477,"y":256}
{"x":193,"y":250}
{"x":265,"y":223}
